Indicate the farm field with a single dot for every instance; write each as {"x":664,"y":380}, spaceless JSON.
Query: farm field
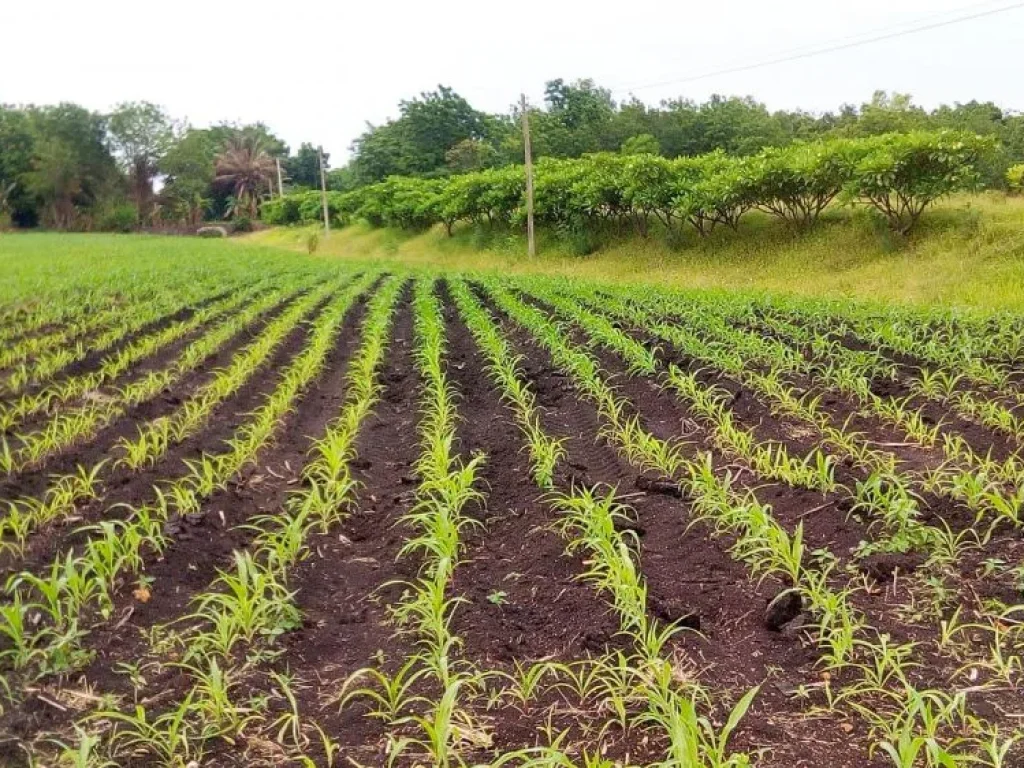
{"x":264,"y":509}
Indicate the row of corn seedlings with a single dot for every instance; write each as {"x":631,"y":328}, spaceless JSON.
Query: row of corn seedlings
{"x":72,"y":426}
{"x":155,"y":438}
{"x":887,"y":494}
{"x":34,"y":346}
{"x":60,"y":394}
{"x":648,"y":680}
{"x":46,"y":616}
{"x":545,"y":452}
{"x":56,"y":318}
{"x":440,"y":726}
{"x":881,"y":692}
{"x":940,"y":385}
{"x":20,"y":321}
{"x":237,"y":621}
{"x":982,"y":483}
{"x":954,"y":349}
{"x":995,"y":655}
{"x":434,"y":726}
{"x":39,"y":370}
{"x":770,"y":460}
{"x":46,"y":293}
{"x":888,"y":497}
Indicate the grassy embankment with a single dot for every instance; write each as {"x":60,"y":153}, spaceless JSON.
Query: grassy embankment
{"x":967,"y":252}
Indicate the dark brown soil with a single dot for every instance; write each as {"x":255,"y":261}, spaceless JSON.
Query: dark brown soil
{"x":202,"y":546}
{"x":691,"y":578}
{"x":522,"y":597}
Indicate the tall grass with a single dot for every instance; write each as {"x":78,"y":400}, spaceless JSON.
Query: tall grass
{"x":968,"y":252}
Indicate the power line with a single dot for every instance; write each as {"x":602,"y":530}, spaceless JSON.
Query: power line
{"x":822,"y":51}
{"x":883,"y":29}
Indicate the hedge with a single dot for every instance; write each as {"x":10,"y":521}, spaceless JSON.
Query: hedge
{"x":899,"y":175}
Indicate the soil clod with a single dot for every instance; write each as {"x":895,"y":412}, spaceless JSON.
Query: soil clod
{"x":785,"y":607}
{"x":664,"y":487}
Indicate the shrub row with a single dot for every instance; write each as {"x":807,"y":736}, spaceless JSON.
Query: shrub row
{"x":897,"y":174}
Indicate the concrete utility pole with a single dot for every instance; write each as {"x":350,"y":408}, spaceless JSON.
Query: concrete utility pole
{"x":280,"y":183}
{"x":323,"y":192}
{"x":531,"y":246}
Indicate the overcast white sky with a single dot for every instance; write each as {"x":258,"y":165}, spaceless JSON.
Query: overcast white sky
{"x":317,"y":70}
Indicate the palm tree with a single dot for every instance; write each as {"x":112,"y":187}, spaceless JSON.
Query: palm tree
{"x":247,"y":167}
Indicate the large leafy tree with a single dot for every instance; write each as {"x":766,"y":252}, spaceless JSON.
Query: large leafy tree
{"x":889,"y":113}
{"x":418,"y":142}
{"x":71,"y":166}
{"x":16,"y":153}
{"x":437,"y":121}
{"x":578,"y":120}
{"x":578,"y":104}
{"x":303,"y":168}
{"x":223,"y":201}
{"x":140,"y":134}
{"x":189,"y":170}
{"x":258,"y":132}
{"x":734,"y":125}
{"x":902,"y":174}
{"x":470,"y":155}
{"x":58,"y":180}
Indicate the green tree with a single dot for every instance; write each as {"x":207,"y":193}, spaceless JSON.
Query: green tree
{"x":418,"y":142}
{"x":381,"y":151}
{"x":578,"y":120}
{"x":470,"y":155}
{"x":303,"y":168}
{"x":57,"y":178}
{"x":644,"y":144}
{"x":140,"y":134}
{"x":72,"y":169}
{"x":222,"y":200}
{"x":342,"y":179}
{"x":1015,"y":179}
{"x":902,"y":174}
{"x":16,"y":153}
{"x":437,"y":121}
{"x":188,"y":167}
{"x":578,"y":104}
{"x":889,"y":113}
{"x":247,"y":169}
{"x":258,"y":133}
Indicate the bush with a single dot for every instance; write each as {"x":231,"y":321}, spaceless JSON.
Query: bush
{"x":118,"y":218}
{"x":796,"y":183}
{"x":281,"y":211}
{"x":242,"y":224}
{"x":900,"y":175}
{"x":1015,"y":179}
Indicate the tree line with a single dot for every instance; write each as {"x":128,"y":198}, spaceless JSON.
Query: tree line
{"x":68,"y":167}
{"x":439,"y":133}
{"x":64,"y":166}
{"x":897,"y":175}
